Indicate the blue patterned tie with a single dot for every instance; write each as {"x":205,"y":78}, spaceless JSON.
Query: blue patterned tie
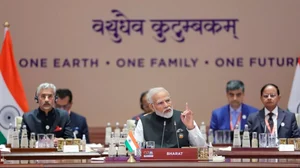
{"x":270,"y":120}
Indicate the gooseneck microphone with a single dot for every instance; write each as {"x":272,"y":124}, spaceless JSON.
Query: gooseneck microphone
{"x":176,"y":134}
{"x":163,"y":135}
{"x":298,"y":108}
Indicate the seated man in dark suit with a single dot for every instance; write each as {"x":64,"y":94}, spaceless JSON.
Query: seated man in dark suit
{"x":272,"y":119}
{"x":234,"y":113}
{"x":78,"y":122}
{"x":47,"y":119}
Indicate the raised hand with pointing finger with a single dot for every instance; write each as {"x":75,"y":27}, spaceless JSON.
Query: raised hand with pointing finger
{"x":187,"y":118}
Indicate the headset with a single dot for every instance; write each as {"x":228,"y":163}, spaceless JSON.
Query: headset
{"x":36,"y":99}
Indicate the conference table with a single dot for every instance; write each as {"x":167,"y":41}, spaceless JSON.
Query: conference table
{"x":265,"y":159}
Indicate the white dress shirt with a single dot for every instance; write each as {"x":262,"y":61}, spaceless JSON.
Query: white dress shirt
{"x":195,"y":135}
{"x":235,"y":114}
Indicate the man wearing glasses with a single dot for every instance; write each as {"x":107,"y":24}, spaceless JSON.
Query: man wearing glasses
{"x":78,"y":122}
{"x":166,"y":127}
{"x":272,"y":119}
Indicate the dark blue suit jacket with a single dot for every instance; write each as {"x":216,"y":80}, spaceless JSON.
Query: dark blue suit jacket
{"x":220,"y":118}
{"x":35,"y":123}
{"x":289,"y":129}
{"x":79,"y":122}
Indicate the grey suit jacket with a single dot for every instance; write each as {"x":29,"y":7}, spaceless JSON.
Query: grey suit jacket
{"x":256,"y":123}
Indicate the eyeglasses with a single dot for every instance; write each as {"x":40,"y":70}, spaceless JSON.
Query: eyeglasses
{"x":271,"y":95}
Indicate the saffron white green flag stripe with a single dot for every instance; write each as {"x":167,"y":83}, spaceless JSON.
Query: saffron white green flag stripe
{"x":131,"y":143}
{"x":12,"y":96}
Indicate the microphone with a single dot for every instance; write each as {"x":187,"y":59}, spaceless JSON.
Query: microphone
{"x":176,"y":134}
{"x":298,"y":108}
{"x":163,"y":135}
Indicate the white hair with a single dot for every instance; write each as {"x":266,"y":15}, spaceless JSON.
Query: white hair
{"x":45,"y":86}
{"x":154,"y":91}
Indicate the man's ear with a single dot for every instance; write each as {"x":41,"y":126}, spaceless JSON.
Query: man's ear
{"x":151,"y":105}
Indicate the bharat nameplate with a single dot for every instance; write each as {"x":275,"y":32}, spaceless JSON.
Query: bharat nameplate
{"x":169,"y":154}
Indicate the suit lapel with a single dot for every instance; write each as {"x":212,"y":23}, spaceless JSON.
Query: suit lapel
{"x":38,"y":126}
{"x":227,"y":118}
{"x":280,"y":118}
{"x":245,"y":113}
{"x":262,"y":119}
{"x":56,"y":121}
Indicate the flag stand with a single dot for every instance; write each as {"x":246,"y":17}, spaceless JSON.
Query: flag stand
{"x":131,"y":158}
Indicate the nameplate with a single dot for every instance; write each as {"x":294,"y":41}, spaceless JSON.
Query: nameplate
{"x":286,"y":147}
{"x":169,"y":154}
{"x":71,"y":148}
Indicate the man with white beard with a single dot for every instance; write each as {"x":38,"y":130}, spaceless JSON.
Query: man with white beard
{"x":168,"y":128}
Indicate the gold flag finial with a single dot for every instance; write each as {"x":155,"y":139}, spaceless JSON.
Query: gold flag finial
{"x":6,"y":24}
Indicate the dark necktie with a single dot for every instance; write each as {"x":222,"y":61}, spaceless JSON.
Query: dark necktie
{"x":270,"y":120}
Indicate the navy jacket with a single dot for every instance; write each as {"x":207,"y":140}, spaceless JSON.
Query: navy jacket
{"x":78,"y":122}
{"x":57,"y":121}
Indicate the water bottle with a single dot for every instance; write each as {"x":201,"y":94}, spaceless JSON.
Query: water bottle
{"x":125,"y":130}
{"x":108,"y":130}
{"x":117,"y":133}
{"x":246,"y":137}
{"x":203,"y":130}
{"x":32,"y":141}
{"x":236,"y":137}
{"x":211,"y":136}
{"x":24,"y":137}
{"x":83,"y":143}
{"x":254,"y":141}
{"x":10,"y":134}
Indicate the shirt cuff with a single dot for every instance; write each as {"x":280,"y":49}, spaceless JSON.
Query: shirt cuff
{"x":193,"y":131}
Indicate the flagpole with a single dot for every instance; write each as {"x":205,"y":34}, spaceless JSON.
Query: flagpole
{"x":6,"y":27}
{"x":6,"y":24}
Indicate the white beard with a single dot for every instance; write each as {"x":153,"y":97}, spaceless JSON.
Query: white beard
{"x":165,"y":114}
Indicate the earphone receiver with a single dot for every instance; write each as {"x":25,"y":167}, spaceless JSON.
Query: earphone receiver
{"x":36,"y":99}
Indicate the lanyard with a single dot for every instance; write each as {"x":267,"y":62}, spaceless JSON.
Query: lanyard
{"x":268,"y":125}
{"x":237,"y":121}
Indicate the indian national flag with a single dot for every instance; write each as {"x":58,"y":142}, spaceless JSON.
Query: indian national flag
{"x":294,"y":101}
{"x":130,"y":143}
{"x":12,"y":96}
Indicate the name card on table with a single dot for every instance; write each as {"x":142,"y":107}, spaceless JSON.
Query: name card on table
{"x":169,"y":154}
{"x":286,"y":147}
{"x":71,"y":148}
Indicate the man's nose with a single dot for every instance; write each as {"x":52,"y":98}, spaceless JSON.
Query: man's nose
{"x":234,"y":97}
